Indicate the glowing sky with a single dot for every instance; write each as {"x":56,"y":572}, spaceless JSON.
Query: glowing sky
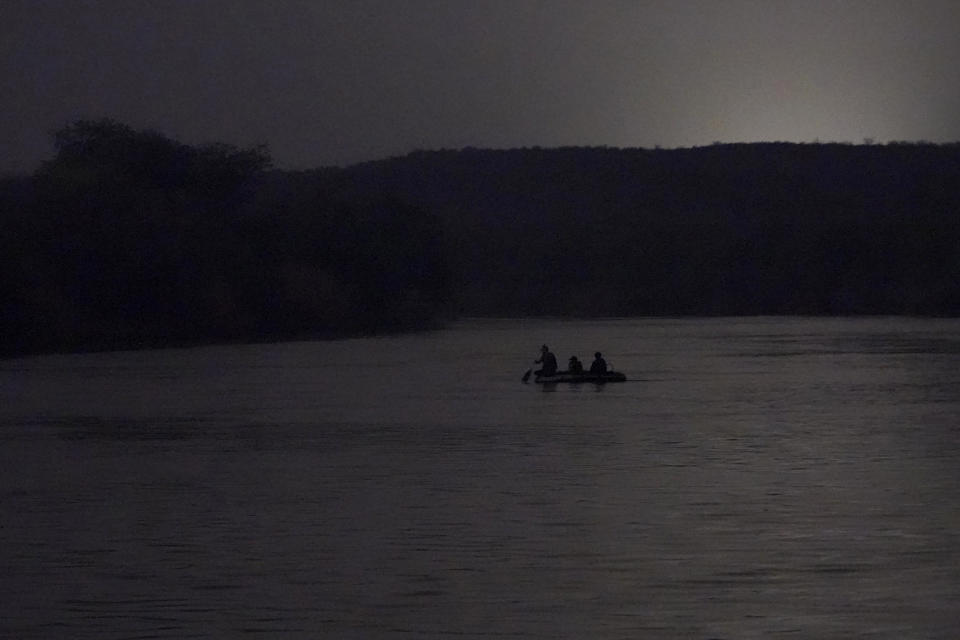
{"x":334,"y":82}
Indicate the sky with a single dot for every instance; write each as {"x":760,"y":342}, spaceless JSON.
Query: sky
{"x":334,"y":82}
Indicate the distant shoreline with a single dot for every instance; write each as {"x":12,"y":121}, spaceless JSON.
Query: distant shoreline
{"x":128,"y":239}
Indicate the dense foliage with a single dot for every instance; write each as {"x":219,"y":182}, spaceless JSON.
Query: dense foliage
{"x":128,"y":238}
{"x":740,"y":229}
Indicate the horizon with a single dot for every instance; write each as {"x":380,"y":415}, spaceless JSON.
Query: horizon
{"x":440,"y":150}
{"x":344,"y":83}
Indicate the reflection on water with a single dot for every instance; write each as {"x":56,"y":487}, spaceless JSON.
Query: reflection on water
{"x":756,"y":478}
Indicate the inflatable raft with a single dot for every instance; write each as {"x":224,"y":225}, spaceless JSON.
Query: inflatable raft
{"x":586,"y":376}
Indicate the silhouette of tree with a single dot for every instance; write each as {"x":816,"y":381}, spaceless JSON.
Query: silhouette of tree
{"x":129,"y":238}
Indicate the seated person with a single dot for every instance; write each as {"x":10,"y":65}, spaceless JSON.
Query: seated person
{"x":599,"y":364}
{"x":549,"y":362}
{"x":574,"y":366}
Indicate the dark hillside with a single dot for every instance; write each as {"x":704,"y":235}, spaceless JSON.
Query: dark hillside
{"x":128,"y":238}
{"x":726,"y":229}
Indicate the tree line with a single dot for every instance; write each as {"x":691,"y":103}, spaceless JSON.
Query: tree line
{"x":728,"y":229}
{"x":128,"y":238}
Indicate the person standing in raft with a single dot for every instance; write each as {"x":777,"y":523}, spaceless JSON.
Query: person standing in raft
{"x":599,"y":364}
{"x":549,"y":362}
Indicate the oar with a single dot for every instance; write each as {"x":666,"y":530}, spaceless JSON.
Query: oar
{"x":526,"y":376}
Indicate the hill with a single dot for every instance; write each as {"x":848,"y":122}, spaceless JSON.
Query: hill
{"x":131,"y":239}
{"x":728,"y":229}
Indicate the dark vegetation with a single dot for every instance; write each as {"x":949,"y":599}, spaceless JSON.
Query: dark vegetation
{"x":736,"y":229}
{"x":127,"y":238}
{"x":130,"y":239}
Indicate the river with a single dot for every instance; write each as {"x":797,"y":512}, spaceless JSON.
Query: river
{"x":754,"y":478}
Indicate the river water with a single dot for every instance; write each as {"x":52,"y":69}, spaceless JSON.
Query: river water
{"x":755,"y":478}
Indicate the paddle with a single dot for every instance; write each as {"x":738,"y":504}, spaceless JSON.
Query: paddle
{"x":526,"y":376}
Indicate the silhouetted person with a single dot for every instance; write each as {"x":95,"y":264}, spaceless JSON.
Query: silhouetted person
{"x":599,"y":364}
{"x":549,"y":362}
{"x":575,"y":366}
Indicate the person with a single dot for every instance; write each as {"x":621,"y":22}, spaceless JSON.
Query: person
{"x":599,"y":364}
{"x":549,"y":362}
{"x":575,"y":366}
